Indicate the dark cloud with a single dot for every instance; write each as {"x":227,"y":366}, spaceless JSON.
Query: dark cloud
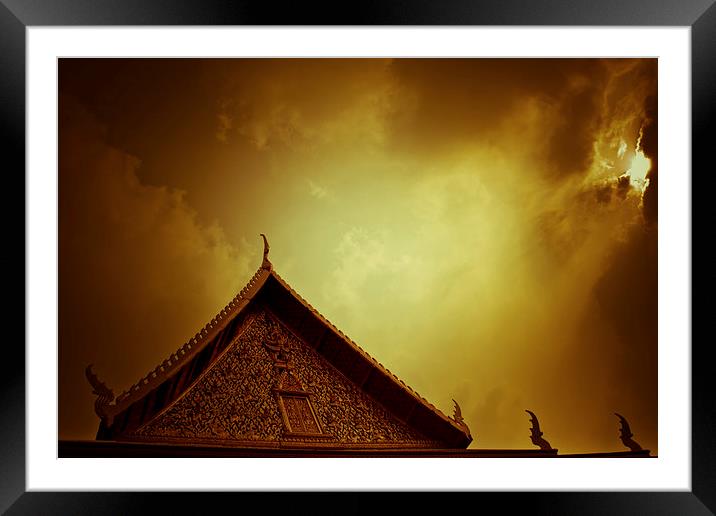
{"x":570,"y":147}
{"x":448,"y":103}
{"x":627,"y":295}
{"x":649,"y":143}
{"x":612,"y":189}
{"x":612,"y":357}
{"x":128,"y":255}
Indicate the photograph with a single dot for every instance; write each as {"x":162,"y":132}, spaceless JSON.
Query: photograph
{"x":312,"y":251}
{"x":358,"y":257}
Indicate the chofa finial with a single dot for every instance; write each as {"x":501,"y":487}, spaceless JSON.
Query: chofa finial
{"x":457,"y":417}
{"x":265,"y":264}
{"x":104,"y":394}
{"x":625,"y":434}
{"x":536,"y":433}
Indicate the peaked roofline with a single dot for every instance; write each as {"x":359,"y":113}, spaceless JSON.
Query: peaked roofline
{"x":107,"y":410}
{"x":367,"y":356}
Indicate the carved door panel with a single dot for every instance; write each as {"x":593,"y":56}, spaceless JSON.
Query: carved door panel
{"x":299,"y":415}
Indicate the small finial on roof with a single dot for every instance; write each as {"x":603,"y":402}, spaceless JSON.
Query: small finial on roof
{"x":265,"y":264}
{"x":457,"y":417}
{"x":625,"y":434}
{"x":536,"y":433}
{"x":104,"y":394}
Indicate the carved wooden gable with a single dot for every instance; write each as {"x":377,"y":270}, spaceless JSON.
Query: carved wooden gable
{"x":269,"y":386}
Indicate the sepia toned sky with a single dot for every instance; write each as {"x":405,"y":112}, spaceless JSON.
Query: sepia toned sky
{"x":485,"y":228}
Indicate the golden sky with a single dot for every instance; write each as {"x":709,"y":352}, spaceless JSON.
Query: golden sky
{"x":485,"y":228}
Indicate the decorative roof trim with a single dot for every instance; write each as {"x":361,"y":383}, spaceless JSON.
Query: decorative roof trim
{"x":187,"y":351}
{"x":108,"y":410}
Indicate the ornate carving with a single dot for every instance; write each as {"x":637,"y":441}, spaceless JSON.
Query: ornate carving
{"x":278,"y":352}
{"x":240,"y":397}
{"x":288,"y":382}
{"x":625,"y":434}
{"x":233,"y":400}
{"x":536,"y":433}
{"x":299,"y":415}
{"x":159,"y":373}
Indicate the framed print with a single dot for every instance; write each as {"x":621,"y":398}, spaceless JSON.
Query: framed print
{"x":393,"y":145}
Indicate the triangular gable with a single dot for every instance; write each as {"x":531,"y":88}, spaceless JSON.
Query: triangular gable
{"x":164,"y":390}
{"x":252,"y":393}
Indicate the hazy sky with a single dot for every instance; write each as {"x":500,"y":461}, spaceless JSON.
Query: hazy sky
{"x":485,"y":228}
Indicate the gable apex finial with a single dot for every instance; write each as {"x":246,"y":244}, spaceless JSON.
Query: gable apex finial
{"x":265,"y":264}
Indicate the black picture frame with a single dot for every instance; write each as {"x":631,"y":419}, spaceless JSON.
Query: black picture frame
{"x":17,"y":15}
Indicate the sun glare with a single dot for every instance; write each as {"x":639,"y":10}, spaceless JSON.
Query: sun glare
{"x":640,"y":165}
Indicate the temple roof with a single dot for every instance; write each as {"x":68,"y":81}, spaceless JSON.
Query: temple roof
{"x":268,"y":289}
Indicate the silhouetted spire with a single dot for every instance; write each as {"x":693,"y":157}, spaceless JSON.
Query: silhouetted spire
{"x":266,"y":264}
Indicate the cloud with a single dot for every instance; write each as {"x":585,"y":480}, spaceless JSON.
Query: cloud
{"x":616,"y":351}
{"x":129,"y":253}
{"x":479,"y":233}
{"x":473,"y":97}
{"x":649,"y":143}
{"x":496,"y":419}
{"x":316,"y":190}
{"x":225,"y":123}
{"x":281,"y":104}
{"x":361,"y":257}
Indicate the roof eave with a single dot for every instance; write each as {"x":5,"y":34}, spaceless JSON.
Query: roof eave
{"x":189,"y":349}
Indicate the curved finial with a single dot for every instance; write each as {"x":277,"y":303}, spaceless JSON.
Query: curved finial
{"x":104,"y":394}
{"x":536,"y":433}
{"x":457,"y":417}
{"x":265,"y":264}
{"x":625,"y":434}
{"x":457,"y":413}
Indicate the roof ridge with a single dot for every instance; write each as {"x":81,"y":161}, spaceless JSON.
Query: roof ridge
{"x":366,"y":354}
{"x":191,"y":346}
{"x":108,"y":408}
